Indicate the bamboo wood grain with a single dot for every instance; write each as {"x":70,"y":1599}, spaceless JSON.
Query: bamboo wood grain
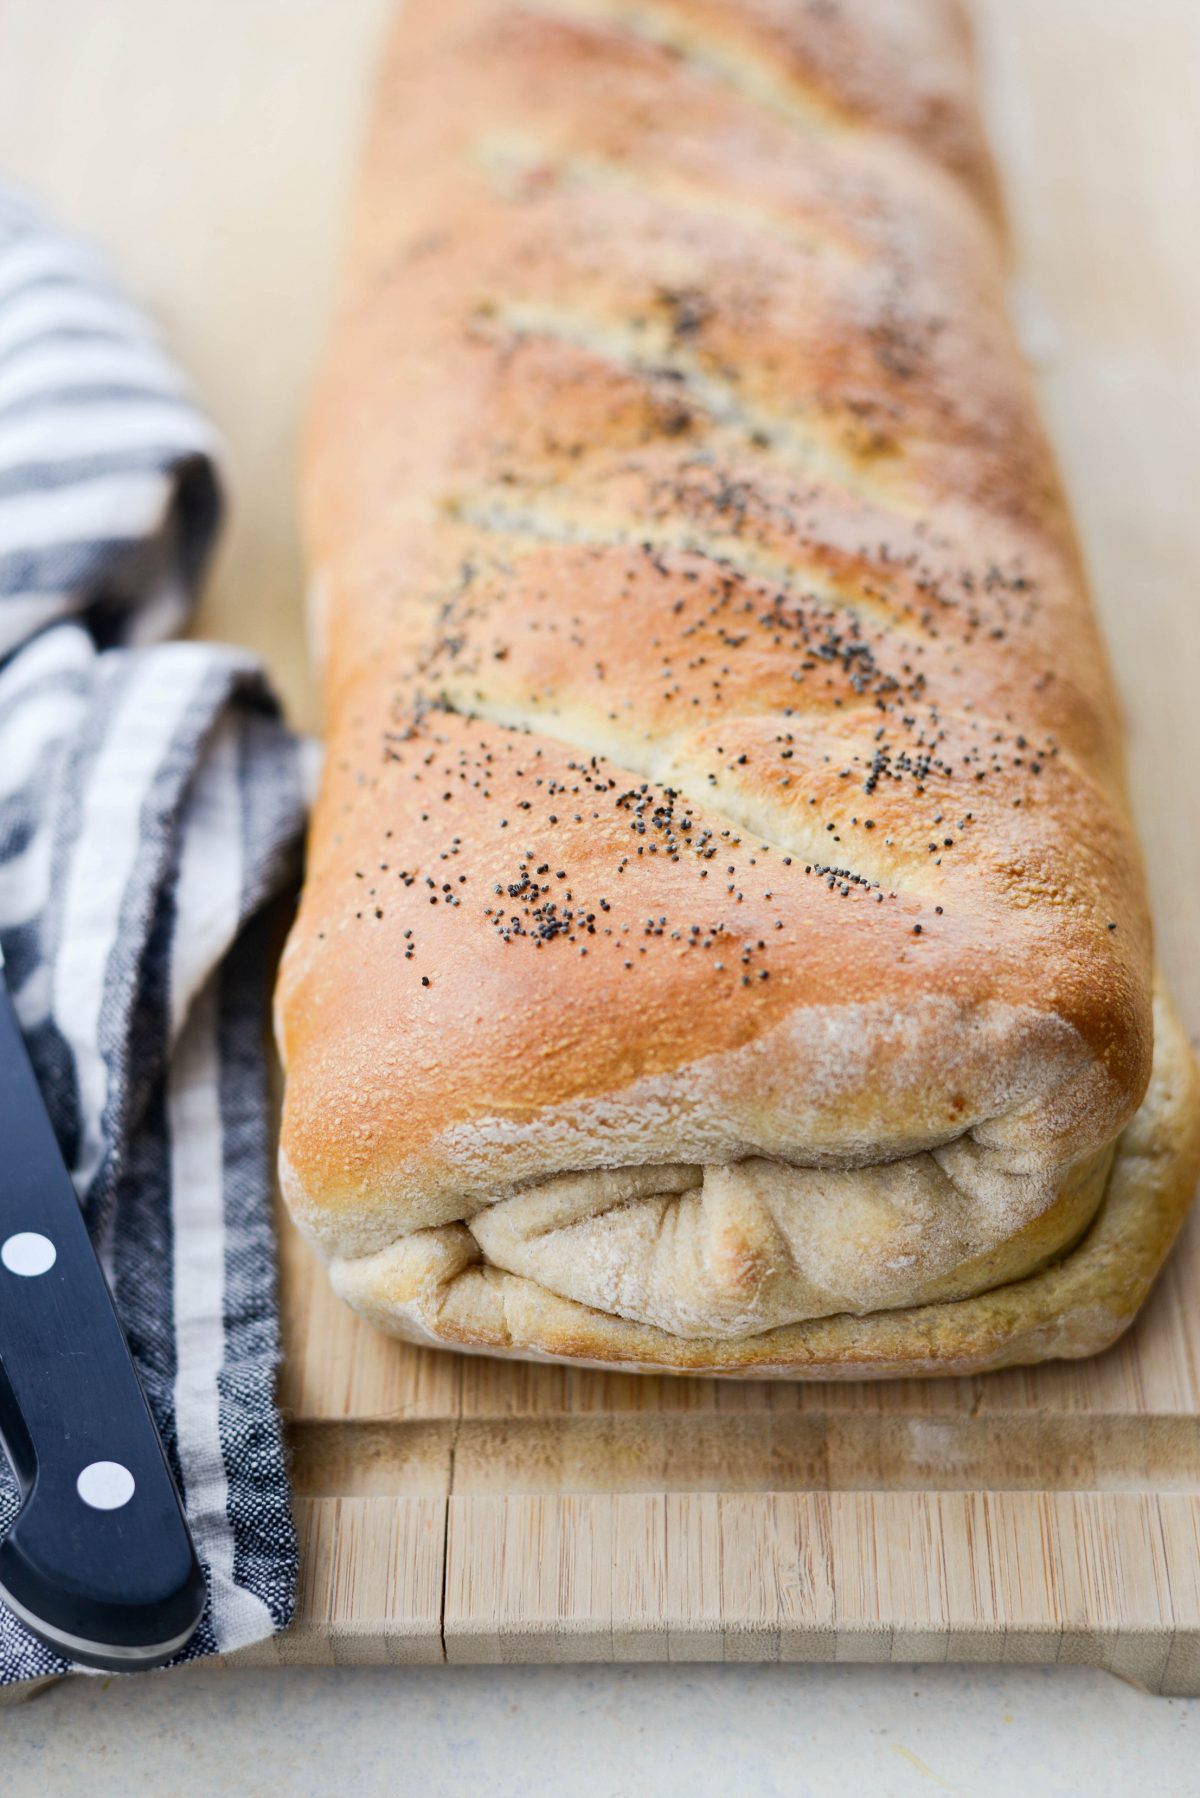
{"x":1096,"y":1579}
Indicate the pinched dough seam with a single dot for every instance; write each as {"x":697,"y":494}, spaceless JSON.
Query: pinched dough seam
{"x":1075,"y":1305}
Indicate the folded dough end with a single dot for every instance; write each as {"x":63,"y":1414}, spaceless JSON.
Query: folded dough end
{"x":941,"y":1260}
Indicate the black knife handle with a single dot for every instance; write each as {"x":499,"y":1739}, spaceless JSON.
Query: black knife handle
{"x":98,"y":1563}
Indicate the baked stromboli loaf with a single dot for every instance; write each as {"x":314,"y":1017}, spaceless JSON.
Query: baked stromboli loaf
{"x":724,"y":946}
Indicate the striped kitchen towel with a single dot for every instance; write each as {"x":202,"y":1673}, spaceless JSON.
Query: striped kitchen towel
{"x":151,"y":805}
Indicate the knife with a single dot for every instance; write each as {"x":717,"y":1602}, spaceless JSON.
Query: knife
{"x":98,"y":1564}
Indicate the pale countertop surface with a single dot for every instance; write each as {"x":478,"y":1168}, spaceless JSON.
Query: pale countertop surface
{"x":605,"y":1732}
{"x":208,"y":144}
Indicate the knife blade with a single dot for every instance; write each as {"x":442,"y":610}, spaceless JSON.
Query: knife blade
{"x":99,"y":1563}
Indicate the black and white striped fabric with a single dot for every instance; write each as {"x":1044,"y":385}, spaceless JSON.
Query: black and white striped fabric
{"x":151,"y":803}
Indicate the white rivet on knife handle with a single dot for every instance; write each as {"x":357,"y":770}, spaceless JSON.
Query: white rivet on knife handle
{"x":28,"y":1253}
{"x":105,"y":1485}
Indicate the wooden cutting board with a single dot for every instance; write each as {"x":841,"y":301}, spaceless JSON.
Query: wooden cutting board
{"x":490,"y":1511}
{"x":474,"y":1510}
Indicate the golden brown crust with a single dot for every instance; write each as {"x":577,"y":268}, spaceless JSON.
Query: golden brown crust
{"x":723,"y":765}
